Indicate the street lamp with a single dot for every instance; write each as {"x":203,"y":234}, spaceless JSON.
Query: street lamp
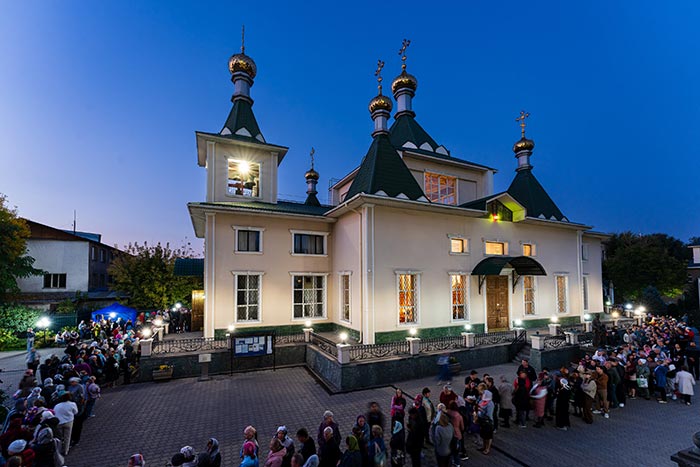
{"x":518,"y":323}
{"x":231,"y":328}
{"x":343,"y":337}
{"x":44,"y":324}
{"x":146,"y":332}
{"x":628,"y":306}
{"x":158,"y":322}
{"x":178,"y":305}
{"x":413,"y":332}
{"x":467,"y":327}
{"x":586,"y":317}
{"x":554,"y":319}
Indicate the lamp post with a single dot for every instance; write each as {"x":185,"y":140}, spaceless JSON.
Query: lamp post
{"x":44,"y":324}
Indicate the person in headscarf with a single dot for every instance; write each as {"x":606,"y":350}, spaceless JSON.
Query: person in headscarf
{"x":189,"y":456}
{"x":136,"y":461}
{"x":250,"y":458}
{"x":562,"y":408}
{"x":21,"y":449}
{"x":538,"y":394}
{"x":43,"y":444}
{"x":211,"y":457}
{"x":352,"y":456}
{"x":34,"y":395}
{"x":13,"y":433}
{"x":277,"y":453}
{"x":484,"y":412}
{"x":287,"y":443}
{"x":397,"y":444}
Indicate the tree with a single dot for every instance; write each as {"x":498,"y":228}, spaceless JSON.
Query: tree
{"x":635,"y":262}
{"x":14,"y":261}
{"x":145,"y":273}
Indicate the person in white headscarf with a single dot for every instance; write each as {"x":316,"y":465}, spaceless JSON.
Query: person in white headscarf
{"x":561,"y":411}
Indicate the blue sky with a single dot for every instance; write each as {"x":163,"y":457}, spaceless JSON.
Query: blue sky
{"x":99,"y":103}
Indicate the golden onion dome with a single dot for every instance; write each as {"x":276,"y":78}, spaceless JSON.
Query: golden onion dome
{"x":242,"y":62}
{"x":404,"y":80}
{"x":523,"y":144}
{"x":380,"y":102}
{"x":311,"y":175}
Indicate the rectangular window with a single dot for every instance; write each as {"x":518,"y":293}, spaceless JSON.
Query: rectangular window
{"x":440,"y":188}
{"x":528,"y":249}
{"x":585,"y":293}
{"x":103,"y":255}
{"x":562,"y":284}
{"x":584,"y":252}
{"x":345,"y":297}
{"x":243,"y":178}
{"x":248,"y":241}
{"x":93,"y":253}
{"x":529,"y":294}
{"x":247,"y":297}
{"x":460,"y":297}
{"x":495,"y":248}
{"x":408,"y":298}
{"x":308,"y":244}
{"x":459,"y":245}
{"x":309,"y":296}
{"x":54,"y":281}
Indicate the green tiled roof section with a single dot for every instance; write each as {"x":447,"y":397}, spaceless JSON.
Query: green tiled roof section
{"x":288,"y":207}
{"x":527,"y":191}
{"x":312,"y":200}
{"x":383,"y":170}
{"x":242,"y":116}
{"x":189,"y":267}
{"x":406,"y":128}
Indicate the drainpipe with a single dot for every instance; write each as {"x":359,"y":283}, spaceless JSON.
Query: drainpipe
{"x":361,"y":270}
{"x":579,"y":266}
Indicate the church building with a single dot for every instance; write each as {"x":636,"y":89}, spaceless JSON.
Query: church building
{"x":413,"y":238}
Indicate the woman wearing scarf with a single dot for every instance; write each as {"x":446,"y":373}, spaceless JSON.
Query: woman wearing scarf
{"x":562,"y":408}
{"x":352,"y":456}
{"x":398,"y":407}
{"x":484,"y":413}
{"x":398,"y":445}
{"x":538,"y":394}
{"x":249,"y":457}
{"x":211,"y":457}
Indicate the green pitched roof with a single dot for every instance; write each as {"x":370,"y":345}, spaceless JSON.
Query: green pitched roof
{"x":242,"y":117}
{"x":527,"y":191}
{"x":480,"y":203}
{"x":382,"y":170}
{"x":312,"y":200}
{"x":288,"y":207}
{"x":406,"y":128}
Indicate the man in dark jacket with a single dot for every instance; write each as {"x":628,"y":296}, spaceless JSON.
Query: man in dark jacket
{"x":308,"y":448}
{"x":529,"y":371}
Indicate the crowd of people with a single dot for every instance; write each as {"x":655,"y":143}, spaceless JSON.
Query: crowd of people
{"x":657,"y":359}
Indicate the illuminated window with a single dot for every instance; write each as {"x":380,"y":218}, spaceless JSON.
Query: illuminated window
{"x":243,"y":178}
{"x":562,"y":284}
{"x":440,"y":188}
{"x":345,"y":297}
{"x":309,"y":296}
{"x":459,"y":245}
{"x":529,"y":294}
{"x":460,"y":297}
{"x":528,"y":249}
{"x":247,"y":297}
{"x":408,"y":298}
{"x":585,"y":293}
{"x":495,"y":248}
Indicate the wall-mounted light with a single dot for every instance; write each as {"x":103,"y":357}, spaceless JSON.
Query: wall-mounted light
{"x":413,"y":332}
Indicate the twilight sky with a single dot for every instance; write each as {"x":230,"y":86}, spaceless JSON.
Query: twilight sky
{"x":99,"y":102}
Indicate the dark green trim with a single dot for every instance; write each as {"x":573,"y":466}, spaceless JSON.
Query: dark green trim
{"x":397,"y":336}
{"x":544,"y":322}
{"x":294,"y":329}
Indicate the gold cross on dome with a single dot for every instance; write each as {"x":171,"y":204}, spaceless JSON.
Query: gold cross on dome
{"x":243,"y":39}
{"x":402,"y":52}
{"x":378,"y":74}
{"x":313,"y":151}
{"x":521,"y":119}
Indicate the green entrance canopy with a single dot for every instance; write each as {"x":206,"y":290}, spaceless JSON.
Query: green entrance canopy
{"x":522,"y":266}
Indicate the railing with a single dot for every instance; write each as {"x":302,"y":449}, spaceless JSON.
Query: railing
{"x":289,"y":339}
{"x":585,"y":338}
{"x":580,"y":327}
{"x":372,"y":351}
{"x":493,"y":338}
{"x":555,"y":342}
{"x":196,"y":344}
{"x":324,"y":344}
{"x":438,"y":344}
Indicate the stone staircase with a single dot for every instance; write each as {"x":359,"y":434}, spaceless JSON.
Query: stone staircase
{"x":524,"y":353}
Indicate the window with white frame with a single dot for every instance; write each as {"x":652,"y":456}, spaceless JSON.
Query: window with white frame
{"x":562,"y":286}
{"x":309,"y":243}
{"x":345,"y":297}
{"x":408,"y":298}
{"x":529,"y":294}
{"x":247,"y":295}
{"x":248,"y":241}
{"x":459,"y":285}
{"x":54,"y":281}
{"x":528,"y":249}
{"x":585,"y":293}
{"x":440,"y":188}
{"x":459,"y":246}
{"x":309,"y":296}
{"x":496,"y":248}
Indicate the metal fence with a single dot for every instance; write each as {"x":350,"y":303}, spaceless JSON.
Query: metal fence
{"x":197,"y":344}
{"x":494,"y":338}
{"x":373,"y":351}
{"x":324,"y":344}
{"x":289,"y":339}
{"x":579,"y":327}
{"x":585,"y":338}
{"x":438,"y":344}
{"x":555,"y":342}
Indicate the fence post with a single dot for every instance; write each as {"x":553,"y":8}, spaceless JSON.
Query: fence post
{"x":160,"y":333}
{"x":553,"y":329}
{"x":146,"y":347}
{"x":413,"y":345}
{"x":469,"y":340}
{"x":343,"y":353}
{"x":538,"y":342}
{"x":588,"y":326}
{"x":307,"y":334}
{"x":571,"y":338}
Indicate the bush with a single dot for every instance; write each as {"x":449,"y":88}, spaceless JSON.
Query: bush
{"x":18,"y":318}
{"x":8,"y":341}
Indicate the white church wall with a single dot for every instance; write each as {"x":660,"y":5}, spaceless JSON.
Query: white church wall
{"x":345,"y":259}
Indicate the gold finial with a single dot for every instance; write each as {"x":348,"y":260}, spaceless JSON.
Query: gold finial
{"x":313,"y":151}
{"x":378,"y":74}
{"x":243,"y":39}
{"x":402,"y":52}
{"x":521,"y":119}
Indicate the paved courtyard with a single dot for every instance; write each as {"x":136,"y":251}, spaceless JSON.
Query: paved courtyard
{"x":157,"y":419}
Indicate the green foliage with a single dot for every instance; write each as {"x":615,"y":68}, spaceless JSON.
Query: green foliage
{"x":145,"y":274}
{"x":44,"y":339}
{"x":17,"y":318}
{"x":14,"y":262}
{"x":652,"y":301}
{"x":8,"y":341}
{"x":67,"y":306}
{"x":635,"y":262}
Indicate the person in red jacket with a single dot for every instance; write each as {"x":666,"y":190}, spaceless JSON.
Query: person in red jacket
{"x":19,"y":448}
{"x":13,"y":433}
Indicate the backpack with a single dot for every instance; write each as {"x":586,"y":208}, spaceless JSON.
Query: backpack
{"x":379,"y":456}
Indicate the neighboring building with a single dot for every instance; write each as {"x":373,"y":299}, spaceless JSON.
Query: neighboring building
{"x":694,"y":267}
{"x":414,"y":237}
{"x":73,"y":261}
